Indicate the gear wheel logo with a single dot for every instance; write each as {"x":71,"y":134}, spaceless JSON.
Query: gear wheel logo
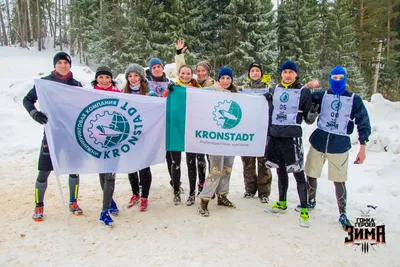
{"x":109,"y":129}
{"x":227,"y":114}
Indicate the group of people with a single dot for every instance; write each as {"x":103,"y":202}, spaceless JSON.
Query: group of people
{"x":290,"y":102}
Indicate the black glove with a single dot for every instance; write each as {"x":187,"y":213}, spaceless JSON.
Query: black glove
{"x":268,"y":96}
{"x":38,"y":116}
{"x":179,"y":51}
{"x":313,"y":114}
{"x":170,"y":87}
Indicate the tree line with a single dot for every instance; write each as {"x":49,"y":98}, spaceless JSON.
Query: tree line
{"x":317,"y":34}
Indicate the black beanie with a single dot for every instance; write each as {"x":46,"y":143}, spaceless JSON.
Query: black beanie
{"x":62,"y":55}
{"x":252,"y":65}
{"x":103,"y":70}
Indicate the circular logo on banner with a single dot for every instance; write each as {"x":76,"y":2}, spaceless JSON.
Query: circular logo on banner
{"x":284,"y":97}
{"x":105,"y":125}
{"x":227,"y":114}
{"x":336,"y":105}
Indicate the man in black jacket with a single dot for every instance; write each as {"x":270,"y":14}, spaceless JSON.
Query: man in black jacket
{"x":290,"y":103}
{"x":61,"y":74}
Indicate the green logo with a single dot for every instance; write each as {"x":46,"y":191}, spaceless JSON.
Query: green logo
{"x":284,"y":97}
{"x":227,"y":114}
{"x":106,"y":129}
{"x":336,"y":105}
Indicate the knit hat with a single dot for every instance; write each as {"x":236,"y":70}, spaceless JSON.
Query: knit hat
{"x":62,"y":55}
{"x":289,"y":65}
{"x":206,"y":65}
{"x":136,"y":68}
{"x":225,"y":71}
{"x":103,"y":70}
{"x":338,"y":86}
{"x":252,"y":65}
{"x":155,"y":61}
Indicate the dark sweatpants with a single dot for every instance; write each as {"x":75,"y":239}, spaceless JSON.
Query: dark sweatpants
{"x":257,"y":177}
{"x":174,"y":169}
{"x":145,"y":181}
{"x":107,"y":182}
{"x":191,"y":159}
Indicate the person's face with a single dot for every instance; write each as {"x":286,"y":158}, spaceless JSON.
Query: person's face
{"x":134,"y":78}
{"x":185,"y":75}
{"x":103,"y":81}
{"x":62,"y":67}
{"x":255,"y":73}
{"x":225,"y":81}
{"x":157,"y":70}
{"x":201,"y":73}
{"x":288,"y":76}
{"x":337,"y":77}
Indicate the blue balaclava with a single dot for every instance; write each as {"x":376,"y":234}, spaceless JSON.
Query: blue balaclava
{"x":338,"y":87}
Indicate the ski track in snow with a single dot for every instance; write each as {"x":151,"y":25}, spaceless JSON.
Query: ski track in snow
{"x":169,"y":235}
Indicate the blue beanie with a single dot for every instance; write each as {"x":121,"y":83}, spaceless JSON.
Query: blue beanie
{"x":289,"y":65}
{"x":225,"y":71}
{"x":155,"y":61}
{"x":338,"y":87}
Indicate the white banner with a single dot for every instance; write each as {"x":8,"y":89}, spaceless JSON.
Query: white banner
{"x":227,"y":124}
{"x":92,"y":131}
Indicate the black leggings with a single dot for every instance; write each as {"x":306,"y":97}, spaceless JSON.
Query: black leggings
{"x":174,"y":168}
{"x":107,"y":182}
{"x":145,"y":182}
{"x":340,"y":190}
{"x":192,"y":170}
{"x":283,"y":184}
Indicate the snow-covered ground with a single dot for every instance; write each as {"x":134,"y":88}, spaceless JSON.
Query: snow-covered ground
{"x":168,"y":235}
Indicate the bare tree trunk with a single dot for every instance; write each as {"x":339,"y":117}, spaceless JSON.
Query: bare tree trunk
{"x":4,"y":40}
{"x":52,"y":31}
{"x":27,"y":22}
{"x":388,"y":30}
{"x":65,"y":39}
{"x":39,"y":29}
{"x":72,"y":34}
{"x":9,"y":21}
{"x":59,"y":24}
{"x":55,"y":23}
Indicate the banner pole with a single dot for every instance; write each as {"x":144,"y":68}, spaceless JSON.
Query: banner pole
{"x":62,"y":200}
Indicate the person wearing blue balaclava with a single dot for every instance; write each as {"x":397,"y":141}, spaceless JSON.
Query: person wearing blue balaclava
{"x":337,"y":80}
{"x":339,"y":111}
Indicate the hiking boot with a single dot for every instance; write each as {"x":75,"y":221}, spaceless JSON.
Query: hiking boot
{"x":75,"y":209}
{"x":134,"y":200}
{"x":190,"y":200}
{"x":344,"y":221}
{"x":278,"y":207}
{"x":113,"y":208}
{"x":203,"y":209}
{"x":177,"y":199}
{"x":303,"y":221}
{"x":143,"y":204}
{"x":106,"y":219}
{"x":248,"y":195}
{"x":310,"y":206}
{"x":38,"y":215}
{"x":224,"y":201}
{"x":264,"y":199}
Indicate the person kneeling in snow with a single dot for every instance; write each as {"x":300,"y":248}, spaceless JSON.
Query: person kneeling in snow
{"x":339,"y":110}
{"x":62,"y":74}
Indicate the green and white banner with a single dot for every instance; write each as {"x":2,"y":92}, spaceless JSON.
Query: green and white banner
{"x":216,"y":123}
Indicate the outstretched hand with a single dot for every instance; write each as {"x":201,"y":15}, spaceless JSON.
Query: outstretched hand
{"x":180,"y":47}
{"x":313,"y":84}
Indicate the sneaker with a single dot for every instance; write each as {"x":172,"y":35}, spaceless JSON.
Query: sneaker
{"x":177,"y":199}
{"x":113,"y":208}
{"x":190,"y":201}
{"x":278,"y":207}
{"x":344,"y":221}
{"x":180,"y":187}
{"x":248,"y":195}
{"x":264,"y":199}
{"x":106,"y":219}
{"x":310,"y":206}
{"x":134,"y":200}
{"x":203,"y":207}
{"x":224,"y":201}
{"x":143,"y":204}
{"x":303,"y":221}
{"x":38,"y":215}
{"x":75,"y":209}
